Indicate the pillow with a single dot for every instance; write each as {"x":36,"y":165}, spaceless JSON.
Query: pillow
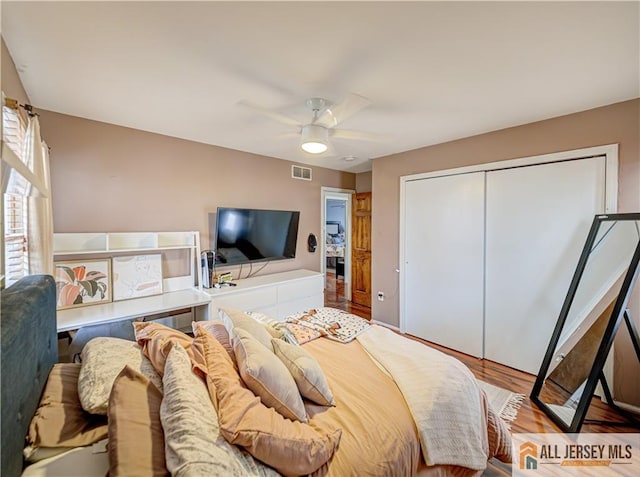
{"x":236,"y":319}
{"x":60,"y":421}
{"x":290,"y":447}
{"x":267,"y":376}
{"x":155,"y":340}
{"x":136,"y":439}
{"x":306,"y":372}
{"x":218,"y":331}
{"x":102,"y":361}
{"x":277,"y":329}
{"x":193,"y":443}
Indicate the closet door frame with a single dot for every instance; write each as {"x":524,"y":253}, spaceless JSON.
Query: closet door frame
{"x":609,"y":151}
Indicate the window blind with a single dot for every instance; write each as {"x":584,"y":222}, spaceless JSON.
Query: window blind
{"x":16,"y":250}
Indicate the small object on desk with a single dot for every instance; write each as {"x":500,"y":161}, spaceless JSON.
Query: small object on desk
{"x":225,"y":277}
{"x":231,"y":284}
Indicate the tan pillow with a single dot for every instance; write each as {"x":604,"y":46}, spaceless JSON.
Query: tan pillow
{"x":60,"y":420}
{"x":236,"y":319}
{"x":290,"y":447}
{"x":156,"y":340}
{"x":136,"y":439}
{"x":306,"y":372}
{"x":277,"y":329}
{"x":267,"y":376}
{"x":102,"y":361}
{"x":193,"y":442}
{"x":218,"y":331}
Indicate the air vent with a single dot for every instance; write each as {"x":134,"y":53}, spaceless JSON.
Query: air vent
{"x":303,"y":173}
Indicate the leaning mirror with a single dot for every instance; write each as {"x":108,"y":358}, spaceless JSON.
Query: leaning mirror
{"x":594,"y":308}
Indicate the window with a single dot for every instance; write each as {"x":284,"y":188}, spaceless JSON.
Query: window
{"x":16,"y":258}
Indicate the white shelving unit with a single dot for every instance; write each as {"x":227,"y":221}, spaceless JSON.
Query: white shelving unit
{"x":179,"y":292}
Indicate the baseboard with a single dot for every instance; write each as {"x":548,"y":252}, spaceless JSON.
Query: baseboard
{"x":627,"y":407}
{"x":387,"y":325}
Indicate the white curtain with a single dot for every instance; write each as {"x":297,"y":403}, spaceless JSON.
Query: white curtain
{"x":39,"y":207}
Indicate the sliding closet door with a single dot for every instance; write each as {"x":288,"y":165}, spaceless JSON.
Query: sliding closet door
{"x":443,"y":250}
{"x":537,"y":221}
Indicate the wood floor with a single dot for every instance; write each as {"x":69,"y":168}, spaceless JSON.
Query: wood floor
{"x":334,"y":296}
{"x":530,"y":418}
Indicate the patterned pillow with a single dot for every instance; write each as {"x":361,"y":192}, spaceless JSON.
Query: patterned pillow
{"x":335,"y":324}
{"x":303,"y":334}
{"x":193,"y":442}
{"x":102,"y":361}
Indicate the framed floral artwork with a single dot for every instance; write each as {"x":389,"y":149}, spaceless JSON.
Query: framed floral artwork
{"x":82,"y":282}
{"x":137,"y":276}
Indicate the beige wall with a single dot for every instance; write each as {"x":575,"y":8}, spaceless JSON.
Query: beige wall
{"x":364,"y":182}
{"x":110,"y":178}
{"x":618,"y":123}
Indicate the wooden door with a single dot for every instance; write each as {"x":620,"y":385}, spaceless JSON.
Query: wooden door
{"x":361,"y":249}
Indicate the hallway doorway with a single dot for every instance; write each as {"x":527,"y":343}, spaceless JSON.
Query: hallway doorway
{"x":336,"y":239}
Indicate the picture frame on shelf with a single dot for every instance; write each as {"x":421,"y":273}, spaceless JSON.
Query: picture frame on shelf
{"x":136,"y":276}
{"x":82,"y":282}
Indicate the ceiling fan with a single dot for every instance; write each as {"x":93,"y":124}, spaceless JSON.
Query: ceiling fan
{"x":326,"y":116}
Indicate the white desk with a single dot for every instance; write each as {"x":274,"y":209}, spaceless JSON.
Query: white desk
{"x":74,"y":318}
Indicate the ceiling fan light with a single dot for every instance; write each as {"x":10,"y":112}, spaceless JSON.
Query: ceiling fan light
{"x":315,"y":139}
{"x":314,"y":147}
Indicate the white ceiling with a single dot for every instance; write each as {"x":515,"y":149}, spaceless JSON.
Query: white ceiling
{"x":433,"y":71}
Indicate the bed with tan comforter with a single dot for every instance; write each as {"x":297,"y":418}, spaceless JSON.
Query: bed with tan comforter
{"x":173,"y":404}
{"x":380,"y":436}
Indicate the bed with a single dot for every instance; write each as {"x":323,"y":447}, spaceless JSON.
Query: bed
{"x":335,"y":246}
{"x":334,"y":239}
{"x":363,"y":412}
{"x":26,"y":359}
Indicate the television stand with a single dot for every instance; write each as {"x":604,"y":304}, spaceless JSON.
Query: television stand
{"x":277,"y":295}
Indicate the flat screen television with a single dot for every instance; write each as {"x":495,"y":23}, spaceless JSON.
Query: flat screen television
{"x":255,"y":235}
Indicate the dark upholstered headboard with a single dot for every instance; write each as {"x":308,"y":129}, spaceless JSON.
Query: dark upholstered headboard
{"x":29,"y":349}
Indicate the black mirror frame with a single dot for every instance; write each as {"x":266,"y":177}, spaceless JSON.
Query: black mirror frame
{"x":619,"y":312}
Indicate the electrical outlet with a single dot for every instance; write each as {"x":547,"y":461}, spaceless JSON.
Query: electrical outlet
{"x":380,"y":296}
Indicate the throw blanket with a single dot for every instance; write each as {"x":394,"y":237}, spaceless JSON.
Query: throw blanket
{"x":335,"y":324}
{"x":442,"y":395}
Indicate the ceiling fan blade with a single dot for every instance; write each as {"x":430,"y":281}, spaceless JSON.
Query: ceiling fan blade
{"x":330,"y":152}
{"x":281,"y":118}
{"x":288,"y":135}
{"x":358,"y":135}
{"x":336,"y":113}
